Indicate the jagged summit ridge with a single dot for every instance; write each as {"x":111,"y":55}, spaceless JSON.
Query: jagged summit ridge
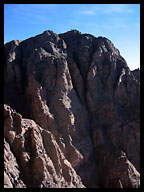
{"x":72,"y":109}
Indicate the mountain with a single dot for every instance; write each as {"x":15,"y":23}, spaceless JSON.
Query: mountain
{"x":71,"y":113}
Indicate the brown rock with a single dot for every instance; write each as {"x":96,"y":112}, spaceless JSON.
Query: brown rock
{"x":71,"y":104}
{"x":12,"y":178}
{"x":119,"y":172}
{"x":41,"y":162}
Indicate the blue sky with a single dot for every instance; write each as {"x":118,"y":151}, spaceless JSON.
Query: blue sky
{"x":118,"y":22}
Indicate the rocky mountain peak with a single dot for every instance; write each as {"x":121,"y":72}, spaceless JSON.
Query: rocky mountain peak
{"x":71,"y":113}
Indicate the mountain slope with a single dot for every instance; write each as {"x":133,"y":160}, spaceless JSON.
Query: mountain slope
{"x":77,"y":105}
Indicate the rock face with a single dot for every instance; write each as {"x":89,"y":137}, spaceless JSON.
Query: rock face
{"x":71,"y":114}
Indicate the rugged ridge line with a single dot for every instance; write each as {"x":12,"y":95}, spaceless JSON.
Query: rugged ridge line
{"x":71,"y":113}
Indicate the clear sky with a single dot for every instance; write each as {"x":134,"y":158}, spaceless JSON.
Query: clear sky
{"x":118,"y":22}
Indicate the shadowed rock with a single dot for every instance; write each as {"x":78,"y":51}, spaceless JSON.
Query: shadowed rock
{"x":71,"y":104}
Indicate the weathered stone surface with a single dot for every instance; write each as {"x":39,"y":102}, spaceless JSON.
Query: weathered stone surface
{"x":71,"y":104}
{"x":40,"y":161}
{"x":116,"y":171}
{"x":136,"y":73}
{"x":12,"y":175}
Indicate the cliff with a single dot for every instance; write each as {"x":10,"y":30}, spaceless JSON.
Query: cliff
{"x":71,"y":114}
